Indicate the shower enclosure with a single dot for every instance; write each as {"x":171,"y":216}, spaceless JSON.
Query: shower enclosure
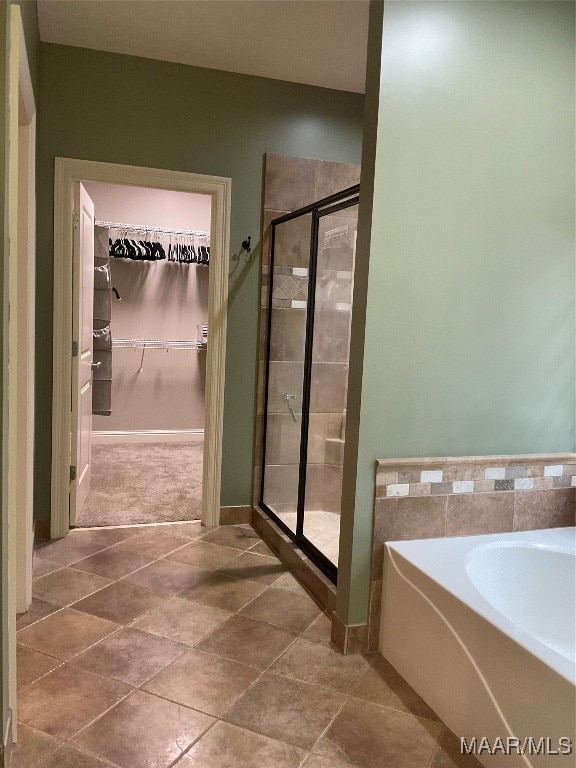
{"x":309,"y":313}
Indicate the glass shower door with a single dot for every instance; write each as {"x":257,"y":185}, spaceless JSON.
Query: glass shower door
{"x":332,"y":313}
{"x":287,"y":346}
{"x":310,"y":304}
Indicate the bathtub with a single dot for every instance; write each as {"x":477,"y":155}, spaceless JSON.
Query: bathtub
{"x":484,"y":629}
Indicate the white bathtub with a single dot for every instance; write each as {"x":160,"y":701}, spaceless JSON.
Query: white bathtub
{"x":484,"y":629}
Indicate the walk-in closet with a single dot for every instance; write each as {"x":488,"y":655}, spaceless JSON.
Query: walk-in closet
{"x":150,"y":336}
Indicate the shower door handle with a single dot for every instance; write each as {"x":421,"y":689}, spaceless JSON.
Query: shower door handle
{"x":287,"y":399}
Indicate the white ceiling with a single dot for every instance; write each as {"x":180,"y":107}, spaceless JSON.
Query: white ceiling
{"x":317,"y":42}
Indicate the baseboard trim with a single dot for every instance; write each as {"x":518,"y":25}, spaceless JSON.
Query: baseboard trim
{"x":302,"y":568}
{"x":349,"y":638}
{"x":41,"y":529}
{"x":7,"y":743}
{"x":109,"y":437}
{"x":235,"y":515}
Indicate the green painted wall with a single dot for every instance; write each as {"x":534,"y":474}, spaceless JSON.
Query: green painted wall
{"x":470,"y":317}
{"x":122,"y":109}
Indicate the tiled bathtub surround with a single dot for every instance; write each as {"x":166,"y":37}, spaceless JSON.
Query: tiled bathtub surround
{"x":464,"y":496}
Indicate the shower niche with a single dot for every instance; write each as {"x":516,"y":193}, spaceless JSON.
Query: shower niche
{"x":309,"y":312}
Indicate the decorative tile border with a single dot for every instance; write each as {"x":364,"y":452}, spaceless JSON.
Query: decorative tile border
{"x":290,"y":287}
{"x":473,"y":475}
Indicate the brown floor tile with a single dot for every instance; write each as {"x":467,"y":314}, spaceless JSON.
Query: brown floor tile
{"x":190,"y":530}
{"x":251,"y":642}
{"x":319,"y":631}
{"x":30,"y":665}
{"x":223,"y":591}
{"x":448,"y":753}
{"x":120,"y":602}
{"x":144,"y":732}
{"x":370,"y":736}
{"x":38,"y":610}
{"x":166,"y":577}
{"x":32,"y":749}
{"x":226,"y":746}
{"x":315,"y":663}
{"x":153,"y":542}
{"x":204,"y":555}
{"x":258,"y":568}
{"x":203,"y":681}
{"x":287,"y":581}
{"x":43,"y":567}
{"x":317,"y":761}
{"x":262,"y":549}
{"x":67,"y":550}
{"x":287,"y":710}
{"x":65,"y":634}
{"x":236,"y":536}
{"x":68,"y":756}
{"x":112,"y":564}
{"x":67,"y":699}
{"x":182,"y":620}
{"x":383,"y":685}
{"x":105,"y":537}
{"x":67,"y":586}
{"x":130,"y":656}
{"x":283,"y":609}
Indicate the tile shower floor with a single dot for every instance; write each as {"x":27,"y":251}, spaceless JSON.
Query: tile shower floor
{"x":173,"y":645}
{"x":321,"y":528}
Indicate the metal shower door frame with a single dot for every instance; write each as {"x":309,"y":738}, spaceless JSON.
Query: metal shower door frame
{"x":328,"y":205}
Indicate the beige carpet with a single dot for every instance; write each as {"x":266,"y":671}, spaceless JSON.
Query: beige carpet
{"x":144,"y":483}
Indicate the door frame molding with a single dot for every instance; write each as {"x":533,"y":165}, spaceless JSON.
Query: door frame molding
{"x":23,"y":270}
{"x":67,"y":172}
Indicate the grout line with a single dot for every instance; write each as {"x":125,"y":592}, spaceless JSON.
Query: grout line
{"x":330,"y":724}
{"x":86,"y":751}
{"x":101,"y":715}
{"x":195,"y":741}
{"x":60,"y":664}
{"x":59,"y":608}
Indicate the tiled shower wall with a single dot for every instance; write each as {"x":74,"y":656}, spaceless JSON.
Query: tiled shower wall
{"x":292,"y":183}
{"x":434,"y":497}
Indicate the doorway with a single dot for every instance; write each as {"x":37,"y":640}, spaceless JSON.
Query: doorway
{"x":100,"y":176}
{"x":143,"y":462}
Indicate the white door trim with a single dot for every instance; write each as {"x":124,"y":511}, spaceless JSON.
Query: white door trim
{"x":67,"y":172}
{"x":21,"y":297}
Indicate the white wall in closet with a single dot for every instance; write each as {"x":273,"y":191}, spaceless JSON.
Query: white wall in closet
{"x":160,"y":300}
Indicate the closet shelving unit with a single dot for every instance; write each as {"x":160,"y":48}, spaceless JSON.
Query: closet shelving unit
{"x":166,"y":344}
{"x":143,"y":228}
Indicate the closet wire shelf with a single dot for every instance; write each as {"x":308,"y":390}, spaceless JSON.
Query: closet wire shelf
{"x":165,"y":344}
{"x":142,"y":228}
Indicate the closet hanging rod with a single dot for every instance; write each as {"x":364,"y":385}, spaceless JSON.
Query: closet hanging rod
{"x":148,"y":228}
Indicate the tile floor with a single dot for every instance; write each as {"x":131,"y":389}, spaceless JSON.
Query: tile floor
{"x":172,"y":645}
